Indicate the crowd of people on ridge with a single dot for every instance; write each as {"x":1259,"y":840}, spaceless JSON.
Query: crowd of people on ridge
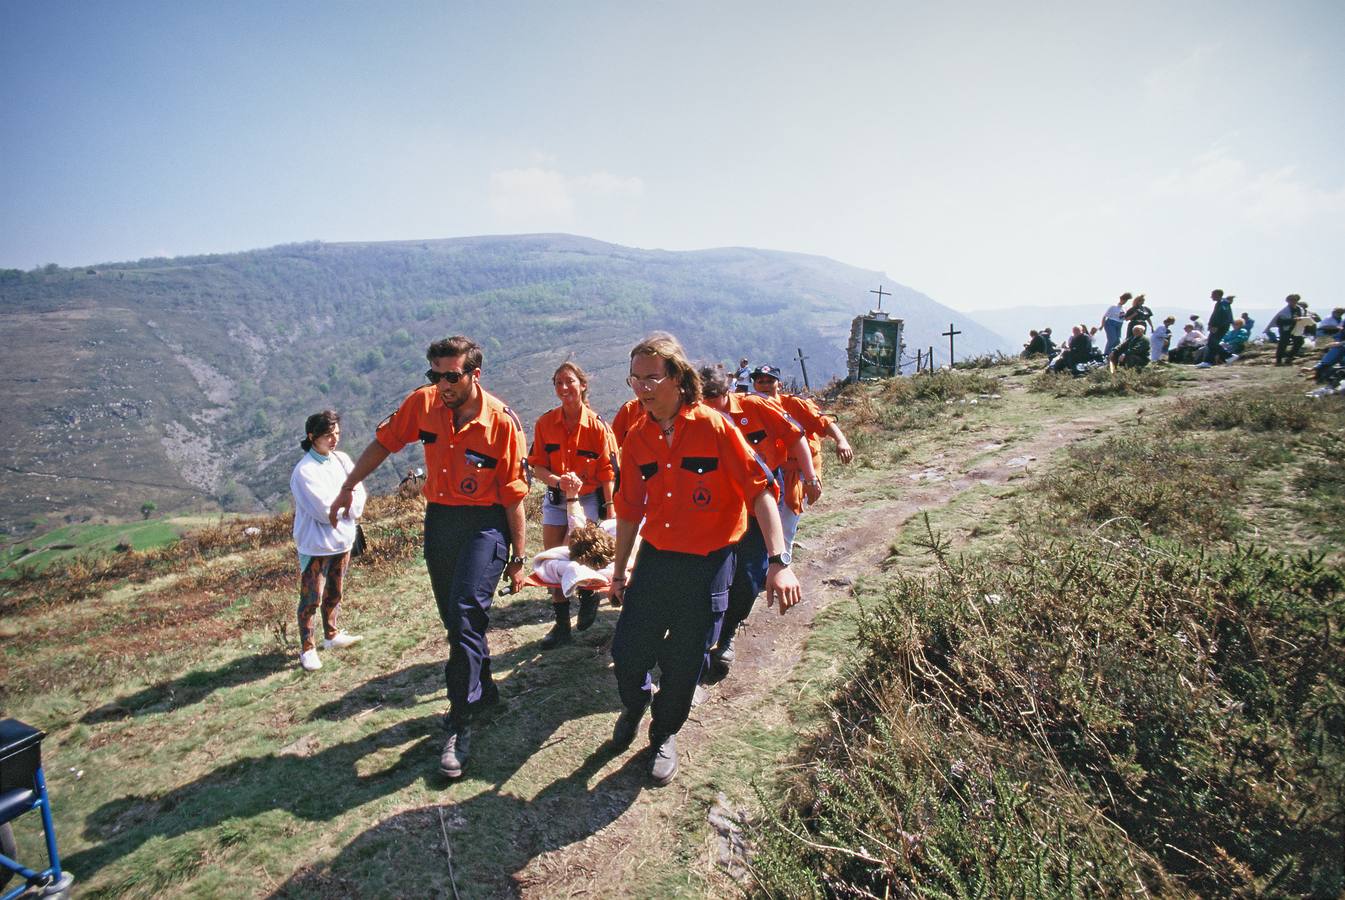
{"x":682,"y":512}
{"x":1132,"y":340}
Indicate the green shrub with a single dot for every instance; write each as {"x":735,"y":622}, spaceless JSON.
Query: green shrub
{"x":1103,"y":383}
{"x":1249,"y":410}
{"x":1130,"y":712}
{"x":1168,"y":482}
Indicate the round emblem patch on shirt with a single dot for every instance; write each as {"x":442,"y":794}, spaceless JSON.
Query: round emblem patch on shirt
{"x":743,"y":420}
{"x":701,"y":496}
{"x":468,"y":485}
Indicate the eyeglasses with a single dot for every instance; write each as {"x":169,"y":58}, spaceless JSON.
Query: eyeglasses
{"x":450,"y":377}
{"x":647,"y":383}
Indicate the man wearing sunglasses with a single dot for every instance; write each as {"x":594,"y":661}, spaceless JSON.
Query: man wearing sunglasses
{"x":474,"y":528}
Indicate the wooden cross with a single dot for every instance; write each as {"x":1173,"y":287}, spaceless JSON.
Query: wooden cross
{"x":806,"y":387}
{"x":881,"y":294}
{"x":949,"y":334}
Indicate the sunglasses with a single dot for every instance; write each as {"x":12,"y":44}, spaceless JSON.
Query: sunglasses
{"x":450,"y":377}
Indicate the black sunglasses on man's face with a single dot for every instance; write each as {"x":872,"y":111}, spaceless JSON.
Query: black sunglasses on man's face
{"x":450,"y":377}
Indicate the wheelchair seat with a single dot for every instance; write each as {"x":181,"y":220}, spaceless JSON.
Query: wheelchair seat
{"x":24,"y":789}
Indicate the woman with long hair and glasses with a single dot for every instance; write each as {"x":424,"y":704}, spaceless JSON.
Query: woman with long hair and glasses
{"x":324,"y":550}
{"x":573,"y":456}
{"x":689,"y":480}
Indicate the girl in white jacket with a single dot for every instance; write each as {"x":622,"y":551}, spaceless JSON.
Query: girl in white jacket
{"x":324,"y":551}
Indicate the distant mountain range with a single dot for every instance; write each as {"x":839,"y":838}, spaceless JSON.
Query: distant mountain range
{"x":185,"y":382}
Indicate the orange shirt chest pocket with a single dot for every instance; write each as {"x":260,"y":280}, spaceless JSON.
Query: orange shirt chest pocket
{"x":703,"y":484}
{"x":690,"y":482}
{"x":461,"y":464}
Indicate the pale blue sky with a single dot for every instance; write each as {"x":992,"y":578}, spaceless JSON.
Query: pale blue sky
{"x":988,"y":156}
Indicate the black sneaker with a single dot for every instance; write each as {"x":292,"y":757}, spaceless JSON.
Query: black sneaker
{"x":663,"y":763}
{"x":627,"y":724}
{"x":456,"y":750}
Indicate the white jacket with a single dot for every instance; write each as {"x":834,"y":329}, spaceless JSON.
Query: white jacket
{"x":315,"y":485}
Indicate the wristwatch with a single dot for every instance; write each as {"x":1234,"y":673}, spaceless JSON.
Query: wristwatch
{"x":515,"y":561}
{"x":782,"y":559}
{"x":814,"y":482}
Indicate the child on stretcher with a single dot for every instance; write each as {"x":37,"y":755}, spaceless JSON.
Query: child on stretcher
{"x":583,"y":564}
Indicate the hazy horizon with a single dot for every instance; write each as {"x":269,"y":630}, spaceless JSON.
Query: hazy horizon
{"x":985,"y":156}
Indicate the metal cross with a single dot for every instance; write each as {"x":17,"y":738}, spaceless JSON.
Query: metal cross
{"x":806,"y":386}
{"x":881,"y":294}
{"x":949,"y":334}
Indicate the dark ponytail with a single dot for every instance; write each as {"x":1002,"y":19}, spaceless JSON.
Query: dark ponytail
{"x":319,"y":424}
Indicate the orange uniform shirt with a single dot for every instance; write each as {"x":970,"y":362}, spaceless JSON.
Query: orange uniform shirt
{"x":805,"y":413}
{"x":625,"y":417}
{"x":587,"y":451}
{"x":479,"y":465}
{"x":765,"y":425}
{"x":693,"y":495}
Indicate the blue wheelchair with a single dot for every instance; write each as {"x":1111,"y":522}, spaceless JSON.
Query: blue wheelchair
{"x":24,"y":789}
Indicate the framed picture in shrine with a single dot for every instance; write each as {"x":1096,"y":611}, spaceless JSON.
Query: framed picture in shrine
{"x":879,"y":348}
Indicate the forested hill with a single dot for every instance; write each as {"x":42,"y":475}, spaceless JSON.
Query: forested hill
{"x":185,"y":382}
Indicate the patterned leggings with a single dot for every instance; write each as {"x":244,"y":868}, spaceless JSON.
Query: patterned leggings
{"x":320,"y":585}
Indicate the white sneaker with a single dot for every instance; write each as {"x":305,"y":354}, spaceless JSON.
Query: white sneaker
{"x":341,"y":640}
{"x":1204,"y":365}
{"x":1232,"y":357}
{"x":309,"y":660}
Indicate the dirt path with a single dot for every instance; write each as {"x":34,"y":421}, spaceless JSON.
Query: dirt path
{"x":929,"y":479}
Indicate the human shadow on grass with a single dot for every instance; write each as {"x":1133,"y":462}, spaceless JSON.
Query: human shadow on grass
{"x":491,"y":838}
{"x":520,"y":672}
{"x":315,"y":788}
{"x":193,"y":687}
{"x":328,"y":783}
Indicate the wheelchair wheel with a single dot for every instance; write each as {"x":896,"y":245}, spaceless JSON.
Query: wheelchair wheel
{"x":8,"y":848}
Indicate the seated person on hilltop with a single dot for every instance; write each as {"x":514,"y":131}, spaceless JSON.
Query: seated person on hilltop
{"x":1035,"y":345}
{"x":1050,"y":342}
{"x":1189,"y":345}
{"x":1232,"y":345}
{"x":1329,"y":329}
{"x":1335,"y":354}
{"x":1074,"y":353}
{"x":1133,"y":352}
{"x":1095,"y":355}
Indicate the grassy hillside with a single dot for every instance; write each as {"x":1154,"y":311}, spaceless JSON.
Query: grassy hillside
{"x":185,"y":382}
{"x":1054,"y":643}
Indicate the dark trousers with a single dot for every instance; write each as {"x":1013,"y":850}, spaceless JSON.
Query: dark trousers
{"x":1283,"y":345}
{"x":1212,"y":354}
{"x":670,"y":618}
{"x":749,"y":579}
{"x":466,"y":548}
